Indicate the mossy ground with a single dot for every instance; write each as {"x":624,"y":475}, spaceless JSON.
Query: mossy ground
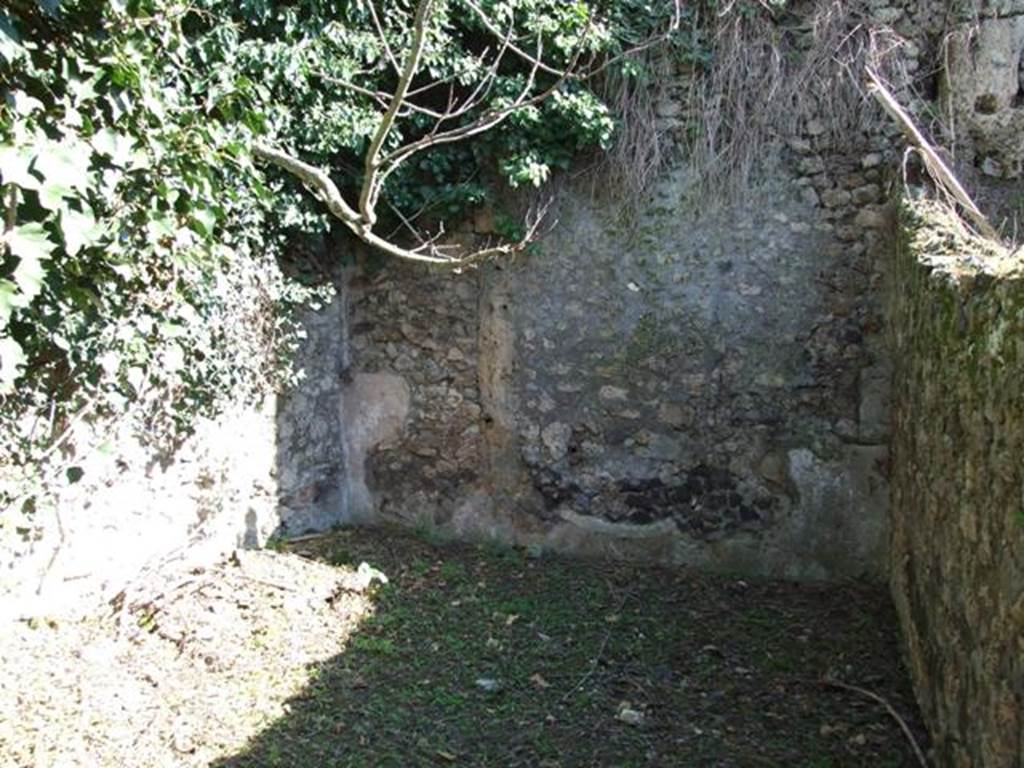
{"x":481,"y":655}
{"x":471,"y":655}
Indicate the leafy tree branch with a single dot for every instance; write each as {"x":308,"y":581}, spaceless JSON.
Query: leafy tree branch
{"x":377,"y":167}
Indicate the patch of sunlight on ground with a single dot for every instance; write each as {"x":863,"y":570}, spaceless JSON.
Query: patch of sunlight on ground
{"x":183,"y":678}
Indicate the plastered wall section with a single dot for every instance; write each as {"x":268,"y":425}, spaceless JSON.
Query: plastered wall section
{"x":265,"y":469}
{"x":698,"y":388}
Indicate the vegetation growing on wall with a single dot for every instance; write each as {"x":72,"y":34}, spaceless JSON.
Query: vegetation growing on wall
{"x":141,"y":233}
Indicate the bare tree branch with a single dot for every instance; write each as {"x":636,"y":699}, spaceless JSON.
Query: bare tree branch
{"x":315,"y":179}
{"x":935,"y":165}
{"x":488,"y":120}
{"x":379,"y":164}
{"x":367,"y":197}
{"x":675,"y":21}
{"x":431,"y":252}
{"x":382,"y":98}
{"x":384,"y":39}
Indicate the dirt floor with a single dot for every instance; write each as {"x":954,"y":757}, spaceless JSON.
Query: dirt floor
{"x":469,"y":655}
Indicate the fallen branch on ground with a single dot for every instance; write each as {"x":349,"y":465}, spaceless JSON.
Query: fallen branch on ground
{"x":826,"y":682}
{"x":600,"y":653}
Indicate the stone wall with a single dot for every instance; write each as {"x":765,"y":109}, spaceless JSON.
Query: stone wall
{"x":275,"y":468}
{"x":984,"y":87}
{"x":704,"y":389}
{"x":704,"y":385}
{"x":957,"y":516}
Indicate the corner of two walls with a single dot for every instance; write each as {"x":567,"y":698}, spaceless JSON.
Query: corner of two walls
{"x":707,"y":386}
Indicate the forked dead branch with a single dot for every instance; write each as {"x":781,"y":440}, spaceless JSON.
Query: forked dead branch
{"x":464,"y":116}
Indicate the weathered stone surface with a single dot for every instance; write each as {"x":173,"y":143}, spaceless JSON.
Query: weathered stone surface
{"x":957,"y":550}
{"x":643,"y":393}
{"x":984,"y":85}
{"x":132,"y":512}
{"x":707,"y":375}
{"x":713,"y":378}
{"x":311,"y":472}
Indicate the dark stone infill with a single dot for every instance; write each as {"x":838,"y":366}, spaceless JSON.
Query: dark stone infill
{"x":703,"y":501}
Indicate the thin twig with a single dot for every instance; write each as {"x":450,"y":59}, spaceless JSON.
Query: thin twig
{"x":310,"y":537}
{"x":889,"y":708}
{"x":367,"y":196}
{"x":600,"y":653}
{"x":11,"y":210}
{"x":256,"y":580}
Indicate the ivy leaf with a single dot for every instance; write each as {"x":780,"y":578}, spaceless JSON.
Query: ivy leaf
{"x":114,"y":145}
{"x":65,"y":164}
{"x":25,"y":105}
{"x":80,"y":230}
{"x":10,"y":40}
{"x":203,"y":221}
{"x":83,"y":90}
{"x":12,"y":360}
{"x":14,"y":166}
{"x":30,"y":241}
{"x":31,"y":244}
{"x":8,"y":301}
{"x":160,"y":228}
{"x":52,"y":194}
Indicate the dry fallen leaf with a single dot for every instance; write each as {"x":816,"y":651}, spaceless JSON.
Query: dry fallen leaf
{"x":539,"y":682}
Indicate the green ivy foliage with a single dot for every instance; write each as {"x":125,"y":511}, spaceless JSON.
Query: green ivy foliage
{"x":141,"y":240}
{"x":139,"y":274}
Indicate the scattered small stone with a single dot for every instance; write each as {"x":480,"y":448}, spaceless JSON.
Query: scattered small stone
{"x":628,"y":715}
{"x":366,"y":574}
{"x":809,"y":196}
{"x":872,"y":160}
{"x":609,"y":392}
{"x":815,"y":127}
{"x":833,"y":198}
{"x":800,"y":145}
{"x":871,"y":219}
{"x":488,"y":685}
{"x":812,"y":165}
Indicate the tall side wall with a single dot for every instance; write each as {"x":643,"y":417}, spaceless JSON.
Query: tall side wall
{"x":957,"y":513}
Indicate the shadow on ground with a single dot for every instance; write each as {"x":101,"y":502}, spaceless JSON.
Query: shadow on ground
{"x":480,"y":656}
